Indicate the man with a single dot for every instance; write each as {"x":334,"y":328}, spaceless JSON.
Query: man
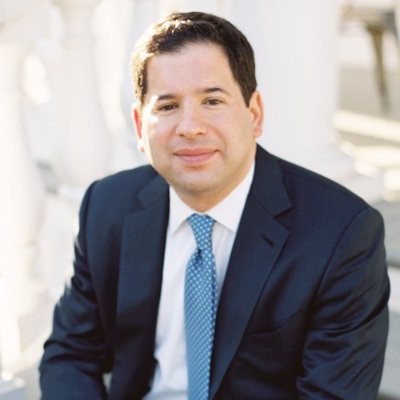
{"x":299,"y":306}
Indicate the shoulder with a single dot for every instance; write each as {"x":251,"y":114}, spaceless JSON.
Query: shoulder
{"x":131,"y":180}
{"x":327,"y":201}
{"x":120,"y":193}
{"x":299,"y":179}
{"x":314,"y":199}
{"x":124,"y":184}
{"x":306,"y":187}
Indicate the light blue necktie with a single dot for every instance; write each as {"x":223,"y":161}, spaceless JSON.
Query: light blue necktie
{"x":200,"y":307}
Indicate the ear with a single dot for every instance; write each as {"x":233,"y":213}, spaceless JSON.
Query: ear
{"x":137,"y":122}
{"x":256,"y":108}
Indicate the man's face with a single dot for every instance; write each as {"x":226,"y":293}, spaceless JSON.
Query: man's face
{"x":194,"y":125}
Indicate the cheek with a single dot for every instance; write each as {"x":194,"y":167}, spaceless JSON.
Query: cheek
{"x":156,"y":145}
{"x":145,"y":142}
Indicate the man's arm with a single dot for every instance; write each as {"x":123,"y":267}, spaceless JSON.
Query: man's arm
{"x":344,"y":349}
{"x":74,"y":357}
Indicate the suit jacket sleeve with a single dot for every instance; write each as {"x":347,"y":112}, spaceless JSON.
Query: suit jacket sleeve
{"x":345,"y":345}
{"x":74,"y":357}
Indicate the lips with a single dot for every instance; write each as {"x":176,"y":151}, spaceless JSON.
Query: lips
{"x":195,"y":156}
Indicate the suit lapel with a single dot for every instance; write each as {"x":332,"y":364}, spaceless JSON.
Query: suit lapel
{"x":140,"y":276}
{"x":258,"y":243}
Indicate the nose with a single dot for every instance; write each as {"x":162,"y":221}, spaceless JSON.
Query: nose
{"x":191,"y":123}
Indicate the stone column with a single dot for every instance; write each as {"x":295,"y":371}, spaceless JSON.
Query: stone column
{"x":22,"y":199}
{"x":22,"y":194}
{"x":210,"y":6}
{"x":84,"y":146}
{"x":144,"y":13}
{"x":295,"y":43}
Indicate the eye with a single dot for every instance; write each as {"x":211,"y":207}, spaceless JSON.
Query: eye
{"x":213,"y":101}
{"x":166,"y":107}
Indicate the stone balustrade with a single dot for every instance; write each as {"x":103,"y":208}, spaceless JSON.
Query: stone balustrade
{"x":22,"y":198}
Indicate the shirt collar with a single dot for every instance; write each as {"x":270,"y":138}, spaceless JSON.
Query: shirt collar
{"x":227,"y":212}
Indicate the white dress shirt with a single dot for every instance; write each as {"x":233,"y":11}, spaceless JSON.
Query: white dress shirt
{"x":170,"y":377}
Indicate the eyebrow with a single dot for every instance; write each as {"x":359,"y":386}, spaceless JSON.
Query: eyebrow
{"x":166,"y":96}
{"x":213,"y":89}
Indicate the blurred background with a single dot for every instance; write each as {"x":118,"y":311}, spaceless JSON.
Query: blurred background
{"x":329,"y":72}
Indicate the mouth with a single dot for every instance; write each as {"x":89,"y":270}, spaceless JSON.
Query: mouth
{"x":195,"y":156}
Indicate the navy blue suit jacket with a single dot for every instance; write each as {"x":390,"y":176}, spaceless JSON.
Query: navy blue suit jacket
{"x":303,"y":309}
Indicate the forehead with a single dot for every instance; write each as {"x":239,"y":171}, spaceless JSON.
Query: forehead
{"x":195,"y":63}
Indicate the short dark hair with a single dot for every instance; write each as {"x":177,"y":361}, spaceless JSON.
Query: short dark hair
{"x":179,"y":29}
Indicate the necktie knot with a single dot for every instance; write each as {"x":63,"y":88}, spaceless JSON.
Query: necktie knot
{"x":202,"y":226}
